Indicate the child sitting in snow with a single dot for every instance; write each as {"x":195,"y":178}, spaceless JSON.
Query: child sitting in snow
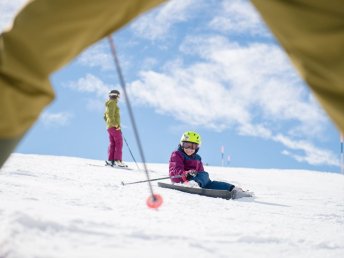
{"x":186,"y":165}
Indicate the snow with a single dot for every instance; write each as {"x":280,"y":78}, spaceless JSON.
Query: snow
{"x":54,"y":206}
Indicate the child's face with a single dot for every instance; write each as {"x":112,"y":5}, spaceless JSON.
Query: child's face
{"x":189,"y":152}
{"x":189,"y":148}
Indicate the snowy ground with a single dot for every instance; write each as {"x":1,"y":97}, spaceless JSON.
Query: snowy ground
{"x":62,"y":207}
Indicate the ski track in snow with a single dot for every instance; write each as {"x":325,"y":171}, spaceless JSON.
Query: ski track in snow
{"x":63,"y":207}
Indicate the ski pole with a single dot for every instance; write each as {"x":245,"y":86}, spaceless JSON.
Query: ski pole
{"x":154,"y":198}
{"x":131,"y":152}
{"x":155,"y":179}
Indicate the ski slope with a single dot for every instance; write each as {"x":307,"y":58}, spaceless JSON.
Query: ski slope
{"x":63,"y":207}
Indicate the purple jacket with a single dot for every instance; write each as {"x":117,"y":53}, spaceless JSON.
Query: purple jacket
{"x":180,"y":162}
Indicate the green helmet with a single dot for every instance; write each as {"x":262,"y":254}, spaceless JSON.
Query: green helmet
{"x":191,"y":136}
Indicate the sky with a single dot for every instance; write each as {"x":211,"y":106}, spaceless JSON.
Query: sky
{"x":208,"y":66}
{"x":56,"y":207}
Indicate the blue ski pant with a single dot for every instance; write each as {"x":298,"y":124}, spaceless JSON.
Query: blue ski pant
{"x":203,"y":180}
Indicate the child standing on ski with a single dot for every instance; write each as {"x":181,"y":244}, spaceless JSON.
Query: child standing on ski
{"x":186,"y":165}
{"x":113,"y":123}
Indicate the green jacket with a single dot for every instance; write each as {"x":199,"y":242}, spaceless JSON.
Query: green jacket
{"x":112,"y":116}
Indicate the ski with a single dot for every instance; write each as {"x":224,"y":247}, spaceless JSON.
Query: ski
{"x":109,"y":166}
{"x":200,"y":191}
{"x":107,"y":163}
{"x":124,"y":168}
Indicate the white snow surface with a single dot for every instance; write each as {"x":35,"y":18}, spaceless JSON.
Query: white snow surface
{"x":54,"y":206}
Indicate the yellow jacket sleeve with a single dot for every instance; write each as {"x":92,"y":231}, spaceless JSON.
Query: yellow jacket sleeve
{"x":312,"y":33}
{"x":47,"y":34}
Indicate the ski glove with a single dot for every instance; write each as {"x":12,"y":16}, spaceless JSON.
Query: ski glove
{"x":188,"y":175}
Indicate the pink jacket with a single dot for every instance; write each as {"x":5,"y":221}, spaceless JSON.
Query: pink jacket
{"x":180,"y":162}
